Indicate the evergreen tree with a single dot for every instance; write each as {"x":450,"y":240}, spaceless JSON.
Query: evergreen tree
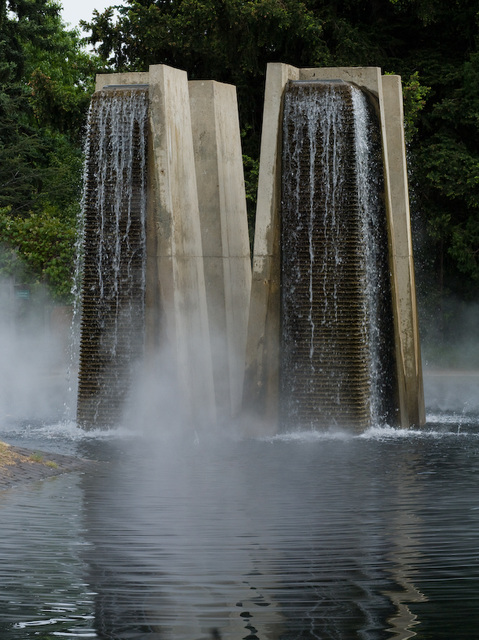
{"x":45,"y":85}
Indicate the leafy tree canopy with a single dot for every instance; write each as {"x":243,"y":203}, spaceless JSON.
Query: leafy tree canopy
{"x":46,"y":79}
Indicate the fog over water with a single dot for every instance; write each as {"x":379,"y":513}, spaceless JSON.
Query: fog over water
{"x":186,"y":534}
{"x":38,"y":379}
{"x":34,"y":360}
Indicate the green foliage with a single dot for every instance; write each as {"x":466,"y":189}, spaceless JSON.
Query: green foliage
{"x":251,"y":174}
{"x":61,"y":80}
{"x":447,"y":168}
{"x":211,"y":38}
{"x":46,"y":79}
{"x":414,"y":96}
{"x":453,"y":170}
{"x":36,"y":456}
{"x":38,"y":248}
{"x":465,"y":247}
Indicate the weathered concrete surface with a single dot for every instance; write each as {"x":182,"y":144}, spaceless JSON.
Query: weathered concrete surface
{"x":262,"y":350}
{"x":224,"y":234}
{"x":174,"y":215}
{"x":368,"y":78}
{"x":262,"y":356}
{"x":408,"y":343}
{"x":134,"y":77}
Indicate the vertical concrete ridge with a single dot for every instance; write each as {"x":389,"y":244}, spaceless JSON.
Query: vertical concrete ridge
{"x":180,"y":270}
{"x":403,"y":261}
{"x":224,"y":231}
{"x":260,"y":394}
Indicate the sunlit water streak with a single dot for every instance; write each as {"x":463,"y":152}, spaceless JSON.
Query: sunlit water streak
{"x":306,"y":535}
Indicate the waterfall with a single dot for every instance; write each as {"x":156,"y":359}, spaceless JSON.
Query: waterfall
{"x":336,"y":361}
{"x":114,"y":252}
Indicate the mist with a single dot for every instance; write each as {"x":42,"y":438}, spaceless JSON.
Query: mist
{"x":34,"y":348}
{"x":451,"y":360}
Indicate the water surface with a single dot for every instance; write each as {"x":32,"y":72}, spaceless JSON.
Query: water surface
{"x":301,"y":536}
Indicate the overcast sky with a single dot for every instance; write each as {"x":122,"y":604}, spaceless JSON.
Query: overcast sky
{"x":76,"y":10}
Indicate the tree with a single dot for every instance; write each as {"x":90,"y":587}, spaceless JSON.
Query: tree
{"x":232,"y":41}
{"x":38,"y":249}
{"x":46,"y":79}
{"x":227,"y":40}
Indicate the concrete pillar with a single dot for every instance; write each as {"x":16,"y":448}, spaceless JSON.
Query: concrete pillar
{"x":174,"y":216}
{"x":198,"y":259}
{"x":262,"y":358}
{"x":262,"y":350}
{"x":224,"y":233}
{"x":408,"y":343}
{"x":176,"y":311}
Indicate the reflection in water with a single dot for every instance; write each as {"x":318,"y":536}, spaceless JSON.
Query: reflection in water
{"x":42,"y":585}
{"x":261,"y":540}
{"x":405,"y":552}
{"x":314,"y":536}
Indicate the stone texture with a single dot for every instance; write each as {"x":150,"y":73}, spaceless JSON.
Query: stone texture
{"x":20,"y":466}
{"x":224,"y":234}
{"x":174,"y":217}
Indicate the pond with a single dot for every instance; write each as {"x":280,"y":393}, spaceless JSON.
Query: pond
{"x":308,"y":535}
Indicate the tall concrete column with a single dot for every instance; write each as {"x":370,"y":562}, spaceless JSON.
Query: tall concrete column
{"x":176,"y":312}
{"x":174,"y":217}
{"x":224,"y":233}
{"x":262,"y":351}
{"x":262,"y":358}
{"x":198,"y":275}
{"x":408,"y":327}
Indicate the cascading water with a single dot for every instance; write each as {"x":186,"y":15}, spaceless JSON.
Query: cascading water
{"x":336,"y":358}
{"x":114,"y":252}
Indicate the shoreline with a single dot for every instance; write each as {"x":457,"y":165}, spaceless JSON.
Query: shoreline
{"x":20,"y":466}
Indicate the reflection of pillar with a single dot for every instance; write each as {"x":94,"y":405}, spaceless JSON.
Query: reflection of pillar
{"x":262,"y":355}
{"x":404,"y":555}
{"x":184,"y":559}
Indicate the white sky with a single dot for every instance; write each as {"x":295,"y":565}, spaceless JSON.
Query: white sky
{"x":76,"y":10}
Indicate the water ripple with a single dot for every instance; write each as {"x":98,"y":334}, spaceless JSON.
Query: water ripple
{"x":300,"y":536}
